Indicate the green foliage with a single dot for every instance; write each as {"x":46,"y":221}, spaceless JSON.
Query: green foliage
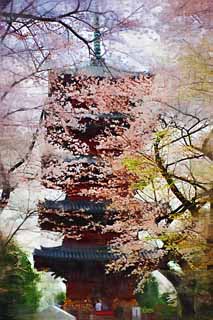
{"x":60,"y":298}
{"x":197,"y":286}
{"x":196,"y":67}
{"x":150,"y":297}
{"x":144,"y":168}
{"x":165,"y":312}
{"x":151,"y":301}
{"x":161,"y":134}
{"x":18,"y":283}
{"x":119,"y":311}
{"x":147,"y":310}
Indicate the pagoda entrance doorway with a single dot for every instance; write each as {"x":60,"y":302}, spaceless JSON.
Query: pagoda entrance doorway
{"x":105,"y":299}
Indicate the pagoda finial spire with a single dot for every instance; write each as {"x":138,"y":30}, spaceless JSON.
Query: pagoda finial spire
{"x":97,"y":38}
{"x":97,"y":35}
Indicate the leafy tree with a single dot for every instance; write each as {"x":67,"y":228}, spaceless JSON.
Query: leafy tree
{"x":196,"y":73}
{"x":150,"y":296}
{"x":175,"y":173}
{"x":193,"y":11}
{"x":18,"y":283}
{"x":151,"y":300}
{"x":60,"y":298}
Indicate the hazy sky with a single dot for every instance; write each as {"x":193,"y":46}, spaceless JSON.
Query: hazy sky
{"x":139,"y":48}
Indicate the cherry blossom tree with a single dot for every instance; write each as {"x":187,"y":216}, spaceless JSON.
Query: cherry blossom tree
{"x":172,"y":173}
{"x":91,"y":123}
{"x":198,"y":11}
{"x":28,"y":29}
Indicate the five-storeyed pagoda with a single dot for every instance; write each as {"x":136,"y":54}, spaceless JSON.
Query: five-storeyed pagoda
{"x":82,"y":257}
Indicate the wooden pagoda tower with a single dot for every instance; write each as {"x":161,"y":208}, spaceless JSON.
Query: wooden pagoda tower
{"x":79,"y":165}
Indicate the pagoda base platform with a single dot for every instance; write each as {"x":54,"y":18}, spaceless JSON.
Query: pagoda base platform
{"x":85,"y":310}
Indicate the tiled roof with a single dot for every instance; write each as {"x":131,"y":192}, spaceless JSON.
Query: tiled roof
{"x":81,"y":158}
{"x":108,"y":116}
{"x":100,"y":69}
{"x":97,"y":253}
{"x":67,"y":205}
{"x":151,"y":254}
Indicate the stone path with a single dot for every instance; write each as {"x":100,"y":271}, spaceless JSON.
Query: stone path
{"x":51,"y":313}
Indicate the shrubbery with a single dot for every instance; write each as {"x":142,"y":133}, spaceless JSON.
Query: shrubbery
{"x":60,"y":297}
{"x":151,"y":301}
{"x":18,"y":283}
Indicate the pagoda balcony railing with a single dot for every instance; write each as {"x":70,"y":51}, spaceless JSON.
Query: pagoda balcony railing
{"x":86,"y":189}
{"x":74,"y":226}
{"x":84,"y":146}
{"x":90,"y":141}
{"x":67,"y":215}
{"x":75,"y":231}
{"x":82,"y":169}
{"x":77,"y":173}
{"x":75,"y":186}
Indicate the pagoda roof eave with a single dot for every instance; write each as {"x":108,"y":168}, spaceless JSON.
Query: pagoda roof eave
{"x":85,"y":206}
{"x":71,"y":254}
{"x":87,"y":253}
{"x":100,"y":70}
